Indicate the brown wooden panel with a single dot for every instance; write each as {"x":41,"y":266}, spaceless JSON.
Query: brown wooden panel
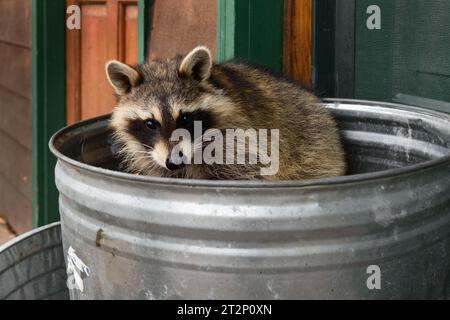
{"x":130,"y":27}
{"x":15,"y":69}
{"x":108,"y":31}
{"x":15,"y":109}
{"x":179,"y":26}
{"x":15,"y":165}
{"x":73,"y":112}
{"x":14,"y":206}
{"x":87,"y":52}
{"x":15,"y":117}
{"x":14,"y":22}
{"x":297,"y":40}
{"x":96,"y":95}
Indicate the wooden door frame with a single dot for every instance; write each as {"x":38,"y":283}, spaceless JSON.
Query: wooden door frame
{"x":48,"y":86}
{"x":297,"y":55}
{"x":115,"y":47}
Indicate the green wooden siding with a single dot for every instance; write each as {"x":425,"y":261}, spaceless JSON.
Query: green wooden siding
{"x":48,"y":102}
{"x":251,"y":30}
{"x":407,"y":61}
{"x":144,"y":7}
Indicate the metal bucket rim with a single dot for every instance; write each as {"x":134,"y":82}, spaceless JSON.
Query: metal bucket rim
{"x":27,"y":235}
{"x":324,"y":182}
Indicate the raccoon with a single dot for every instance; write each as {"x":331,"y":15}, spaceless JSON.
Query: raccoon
{"x":155,"y":99}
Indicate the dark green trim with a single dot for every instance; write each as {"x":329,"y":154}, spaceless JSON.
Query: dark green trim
{"x":345,"y":49}
{"x":48,"y":102}
{"x":323,"y":74}
{"x":373,"y":61}
{"x":144,"y":9}
{"x":333,"y":55}
{"x":252,"y":30}
{"x":225,"y":29}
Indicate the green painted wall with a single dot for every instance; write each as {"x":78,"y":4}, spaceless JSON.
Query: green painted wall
{"x":144,"y":7}
{"x":48,"y":102}
{"x":252,"y":30}
{"x":407,"y":61}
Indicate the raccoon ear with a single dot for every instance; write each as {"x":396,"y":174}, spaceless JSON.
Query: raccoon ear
{"x":197,"y":64}
{"x":121,"y":76}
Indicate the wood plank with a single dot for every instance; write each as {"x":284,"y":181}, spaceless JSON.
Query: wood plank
{"x":15,"y":117}
{"x":73,"y":69}
{"x":96,"y":94}
{"x":15,"y":122}
{"x":129,"y":27}
{"x":15,"y":22}
{"x":16,"y":165}
{"x":179,"y":26}
{"x":15,"y":75}
{"x":298,"y":40}
{"x":109,"y":31}
{"x":15,"y":207}
{"x":87,"y":51}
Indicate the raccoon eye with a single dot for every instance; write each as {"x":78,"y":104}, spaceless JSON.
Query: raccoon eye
{"x":186,"y":118}
{"x":151,"y":124}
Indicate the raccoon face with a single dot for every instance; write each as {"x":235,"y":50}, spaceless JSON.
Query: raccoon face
{"x":158,"y":98}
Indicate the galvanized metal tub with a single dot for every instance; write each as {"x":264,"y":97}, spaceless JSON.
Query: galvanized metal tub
{"x":383,"y":231}
{"x":32,"y":266}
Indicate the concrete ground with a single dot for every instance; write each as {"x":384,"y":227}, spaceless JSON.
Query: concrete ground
{"x":5,"y":233}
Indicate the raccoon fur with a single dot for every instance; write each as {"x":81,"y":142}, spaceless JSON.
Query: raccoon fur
{"x":156,"y":98}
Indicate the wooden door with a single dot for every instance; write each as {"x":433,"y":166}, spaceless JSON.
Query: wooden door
{"x":298,"y":40}
{"x":108,"y":31}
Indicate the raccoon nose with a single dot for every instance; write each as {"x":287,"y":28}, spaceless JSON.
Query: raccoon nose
{"x":172,"y":166}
